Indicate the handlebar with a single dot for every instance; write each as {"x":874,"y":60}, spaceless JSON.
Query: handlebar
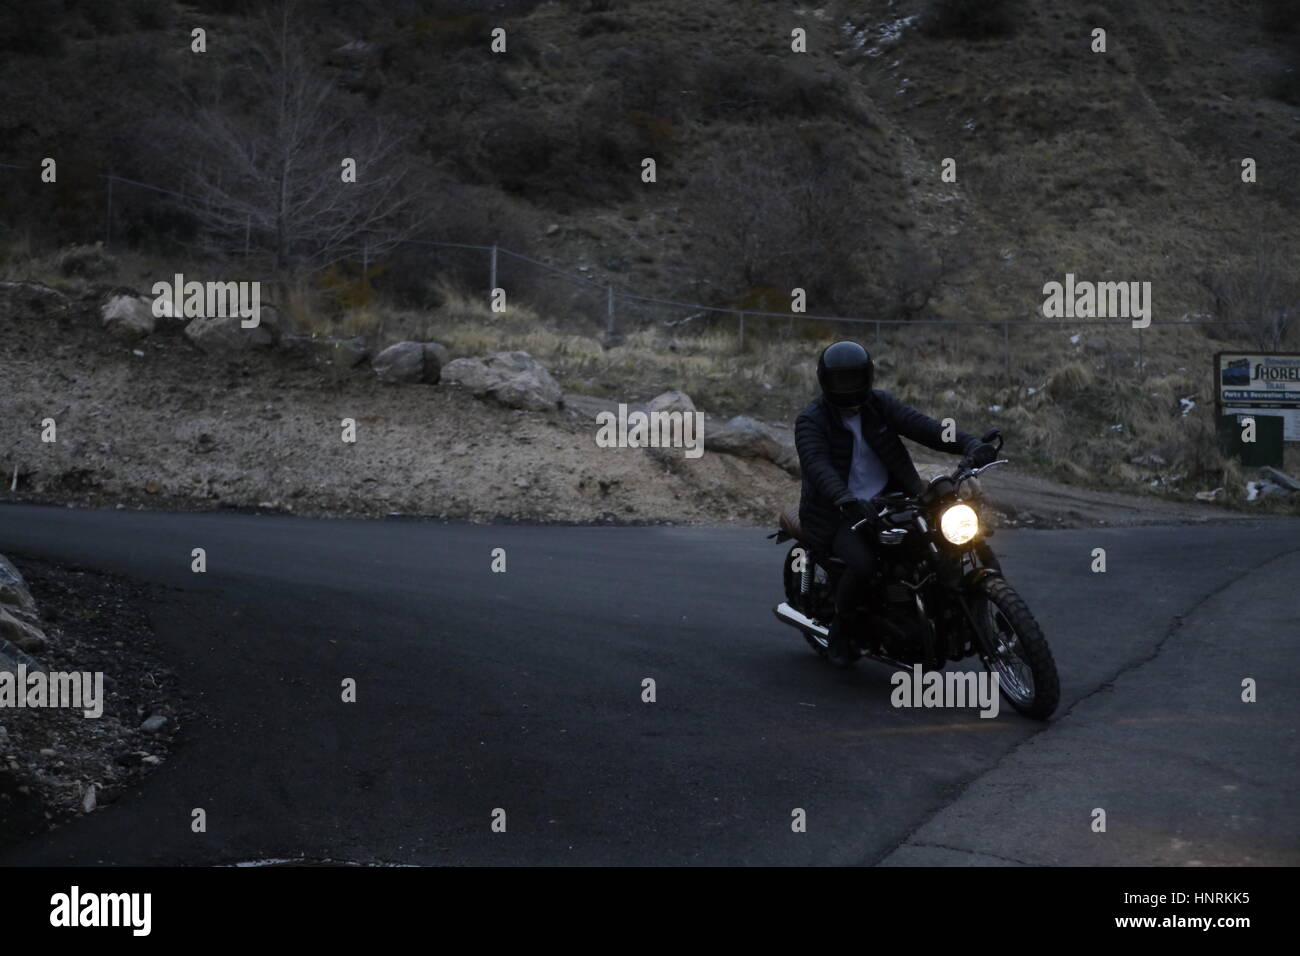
{"x":963,"y":471}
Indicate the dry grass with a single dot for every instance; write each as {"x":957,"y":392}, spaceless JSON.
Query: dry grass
{"x":1074,"y":403}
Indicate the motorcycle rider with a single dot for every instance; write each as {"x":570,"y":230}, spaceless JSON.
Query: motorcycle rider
{"x":850,"y":452}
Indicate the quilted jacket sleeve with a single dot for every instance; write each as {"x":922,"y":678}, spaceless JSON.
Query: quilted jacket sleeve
{"x":910,"y":423}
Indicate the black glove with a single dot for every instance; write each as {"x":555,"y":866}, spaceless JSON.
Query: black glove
{"x":855,"y":511}
{"x":981,"y":454}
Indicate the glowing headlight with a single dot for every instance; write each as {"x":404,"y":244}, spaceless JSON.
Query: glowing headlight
{"x":959,"y":524}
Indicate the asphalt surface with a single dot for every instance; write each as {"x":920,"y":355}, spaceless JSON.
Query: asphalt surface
{"x":523,"y":691}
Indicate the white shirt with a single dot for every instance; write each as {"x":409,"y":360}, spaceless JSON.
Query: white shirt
{"x":867,"y":475}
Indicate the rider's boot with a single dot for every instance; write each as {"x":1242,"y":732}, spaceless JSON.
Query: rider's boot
{"x":842,"y":650}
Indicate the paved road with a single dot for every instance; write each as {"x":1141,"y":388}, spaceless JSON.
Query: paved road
{"x":522,"y":691}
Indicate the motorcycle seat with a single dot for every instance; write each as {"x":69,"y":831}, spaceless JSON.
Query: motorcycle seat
{"x":788,"y":520}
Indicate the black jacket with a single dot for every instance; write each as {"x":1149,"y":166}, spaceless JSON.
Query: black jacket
{"x":826,"y":453}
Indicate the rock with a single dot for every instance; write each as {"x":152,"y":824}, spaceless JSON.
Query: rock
{"x":154,"y":724}
{"x":88,"y":801}
{"x":1208,"y":495}
{"x":224,"y":333}
{"x":276,"y":321}
{"x":13,"y":589}
{"x":670,"y":401}
{"x":153,"y":486}
{"x":749,"y":438}
{"x":410,"y":363}
{"x":438,"y":351}
{"x":128,"y":316}
{"x":346,"y":353}
{"x":552,"y":229}
{"x":13,"y":596}
{"x":399,"y":364}
{"x":24,"y":636}
{"x":31,"y":300}
{"x":514,"y":379}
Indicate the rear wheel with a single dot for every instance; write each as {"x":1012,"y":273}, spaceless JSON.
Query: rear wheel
{"x":1011,"y":645}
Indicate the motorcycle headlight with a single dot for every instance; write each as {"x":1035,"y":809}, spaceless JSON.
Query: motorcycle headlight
{"x":959,"y":524}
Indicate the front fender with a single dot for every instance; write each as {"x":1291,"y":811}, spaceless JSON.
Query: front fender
{"x":976,"y":575}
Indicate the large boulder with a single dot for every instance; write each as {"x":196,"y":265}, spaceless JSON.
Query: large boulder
{"x":749,"y":438}
{"x":128,"y":316}
{"x":224,"y":333}
{"x":438,"y":351}
{"x":277,"y":321}
{"x":670,"y":401}
{"x":344,"y":353}
{"x":18,"y":620}
{"x":13,"y":589}
{"x":21,"y":634}
{"x":410,"y":363}
{"x":514,"y":379}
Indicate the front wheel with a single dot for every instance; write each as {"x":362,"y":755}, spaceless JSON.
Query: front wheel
{"x":1012,"y":645}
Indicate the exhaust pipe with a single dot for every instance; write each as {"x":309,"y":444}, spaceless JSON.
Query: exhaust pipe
{"x":788,"y":615}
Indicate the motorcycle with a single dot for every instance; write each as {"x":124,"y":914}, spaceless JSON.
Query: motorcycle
{"x":937,"y":592}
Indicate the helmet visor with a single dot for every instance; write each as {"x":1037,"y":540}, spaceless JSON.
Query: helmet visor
{"x":847,"y":386}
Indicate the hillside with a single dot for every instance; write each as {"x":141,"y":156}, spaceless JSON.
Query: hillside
{"x":775,"y":169}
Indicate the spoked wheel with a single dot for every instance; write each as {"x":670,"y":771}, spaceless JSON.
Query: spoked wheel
{"x":1012,"y":645}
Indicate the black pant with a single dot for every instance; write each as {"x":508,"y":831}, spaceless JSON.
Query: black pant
{"x":855,"y":549}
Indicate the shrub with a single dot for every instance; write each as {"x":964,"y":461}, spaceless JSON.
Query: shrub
{"x":968,"y":19}
{"x":601,"y":23}
{"x":87,"y":262}
{"x":1070,"y":380}
{"x":151,"y":14}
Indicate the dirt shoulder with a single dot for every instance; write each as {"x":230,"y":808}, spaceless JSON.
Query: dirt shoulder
{"x":57,"y":764}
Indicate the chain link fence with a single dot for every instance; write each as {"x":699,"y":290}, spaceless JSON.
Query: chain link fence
{"x":603,"y":308}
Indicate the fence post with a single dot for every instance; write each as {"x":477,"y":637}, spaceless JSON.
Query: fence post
{"x":108,"y":214}
{"x":742,"y":332}
{"x":492,"y":276}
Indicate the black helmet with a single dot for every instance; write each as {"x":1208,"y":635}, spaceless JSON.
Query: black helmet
{"x":845,"y":372}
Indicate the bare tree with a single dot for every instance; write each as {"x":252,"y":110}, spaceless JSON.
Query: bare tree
{"x":1260,"y":298}
{"x":776,"y":212}
{"x":266,"y":173}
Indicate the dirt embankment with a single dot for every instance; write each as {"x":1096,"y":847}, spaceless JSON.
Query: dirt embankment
{"x":158,"y":423}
